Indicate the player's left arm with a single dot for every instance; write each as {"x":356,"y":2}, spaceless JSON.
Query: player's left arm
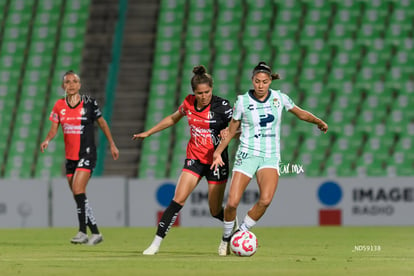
{"x":105,"y":129}
{"x":309,"y":117}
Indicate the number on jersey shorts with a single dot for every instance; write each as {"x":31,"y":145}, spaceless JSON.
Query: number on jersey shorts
{"x":83,"y":163}
{"x":198,"y":169}
{"x":249,"y":164}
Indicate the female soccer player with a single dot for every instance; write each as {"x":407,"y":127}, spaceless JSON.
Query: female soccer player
{"x":258,"y":112}
{"x":77,"y":113}
{"x":207,"y":116}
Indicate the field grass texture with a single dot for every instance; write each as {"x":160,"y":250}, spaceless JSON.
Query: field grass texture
{"x":193,"y":251}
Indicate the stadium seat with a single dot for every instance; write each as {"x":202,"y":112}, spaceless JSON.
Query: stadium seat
{"x":179,"y":151}
{"x":68,"y":56}
{"x":228,"y":21}
{"x":348,"y":62}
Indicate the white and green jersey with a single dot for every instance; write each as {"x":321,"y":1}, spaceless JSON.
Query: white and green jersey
{"x":260,"y":122}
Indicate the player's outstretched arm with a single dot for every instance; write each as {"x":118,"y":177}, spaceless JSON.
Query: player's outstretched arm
{"x":50,"y":135}
{"x":232,"y":131}
{"x":163,"y":124}
{"x":309,"y":117}
{"x":105,"y":129}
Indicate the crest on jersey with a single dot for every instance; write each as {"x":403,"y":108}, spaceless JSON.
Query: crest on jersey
{"x":83,"y":111}
{"x":210,"y":115}
{"x":276,"y":102}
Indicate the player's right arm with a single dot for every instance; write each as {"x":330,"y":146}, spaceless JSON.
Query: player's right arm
{"x":233,"y":128}
{"x":168,"y":121}
{"x":51,"y":134}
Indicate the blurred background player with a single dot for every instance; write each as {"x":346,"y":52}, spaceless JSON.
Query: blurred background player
{"x":77,"y":114}
{"x":207,"y":116}
{"x":258,"y":113}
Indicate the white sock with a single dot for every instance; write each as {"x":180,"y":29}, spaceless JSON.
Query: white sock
{"x":247,"y":223}
{"x":227,"y":228}
{"x":157,"y":241}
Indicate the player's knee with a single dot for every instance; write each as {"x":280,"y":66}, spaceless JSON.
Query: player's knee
{"x":231,"y":206}
{"x":265,"y":202}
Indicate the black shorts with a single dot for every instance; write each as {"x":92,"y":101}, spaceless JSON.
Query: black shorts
{"x":213,"y":177}
{"x":86,"y":164}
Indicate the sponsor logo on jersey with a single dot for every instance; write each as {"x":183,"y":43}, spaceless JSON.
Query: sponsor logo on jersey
{"x":264,"y":119}
{"x":255,"y":107}
{"x":72,"y":129}
{"x":201,"y":136}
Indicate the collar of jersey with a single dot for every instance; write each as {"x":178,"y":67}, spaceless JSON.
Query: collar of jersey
{"x":251,"y":94}
{"x":201,"y":110}
{"x":76,"y":105}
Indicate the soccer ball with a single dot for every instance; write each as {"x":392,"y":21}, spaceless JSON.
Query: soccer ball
{"x":243,"y":243}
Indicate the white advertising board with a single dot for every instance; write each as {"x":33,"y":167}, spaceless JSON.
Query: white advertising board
{"x":148,"y":198}
{"x":118,"y":201}
{"x":106,"y":197}
{"x":298,"y":202}
{"x":143,"y":203}
{"x":23,"y":203}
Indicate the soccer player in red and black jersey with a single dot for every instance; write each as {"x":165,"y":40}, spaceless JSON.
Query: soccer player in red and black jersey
{"x":77,"y":114}
{"x":208,"y":116}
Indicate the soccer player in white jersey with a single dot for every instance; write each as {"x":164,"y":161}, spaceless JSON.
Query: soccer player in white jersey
{"x":258,"y":114}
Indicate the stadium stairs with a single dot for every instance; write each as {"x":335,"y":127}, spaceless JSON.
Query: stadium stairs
{"x":129,"y":107}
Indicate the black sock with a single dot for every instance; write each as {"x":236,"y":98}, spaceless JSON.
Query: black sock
{"x":168,"y":218}
{"x":80,"y":205}
{"x":220,"y":215}
{"x":85,"y":215}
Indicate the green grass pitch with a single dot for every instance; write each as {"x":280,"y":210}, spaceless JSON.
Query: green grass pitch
{"x":193,"y":251}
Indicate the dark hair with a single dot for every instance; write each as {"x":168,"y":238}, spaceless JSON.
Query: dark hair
{"x":200,"y":76}
{"x":70,"y":72}
{"x":262,"y":67}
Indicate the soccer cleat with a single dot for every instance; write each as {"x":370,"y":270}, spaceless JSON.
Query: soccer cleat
{"x":95,"y":239}
{"x":224,"y":248}
{"x":152,"y":250}
{"x":80,"y":238}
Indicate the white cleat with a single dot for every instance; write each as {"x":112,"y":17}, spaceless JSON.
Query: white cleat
{"x":80,"y":238}
{"x":95,"y":239}
{"x":152,"y":250}
{"x":224,"y":248}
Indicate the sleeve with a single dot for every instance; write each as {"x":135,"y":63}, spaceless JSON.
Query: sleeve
{"x":54,"y":114}
{"x":287,"y":102}
{"x":96,"y":110}
{"x":238,"y":109}
{"x":183,"y":107}
{"x":228,"y":110}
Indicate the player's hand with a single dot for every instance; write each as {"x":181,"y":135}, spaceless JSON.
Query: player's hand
{"x":141,"y":135}
{"x":114,"y":152}
{"x":44,"y":145}
{"x":323,"y":126}
{"x":217,"y":161}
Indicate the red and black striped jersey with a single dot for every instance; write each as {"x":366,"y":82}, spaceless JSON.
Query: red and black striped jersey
{"x":77,"y":125}
{"x":205,"y":126}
